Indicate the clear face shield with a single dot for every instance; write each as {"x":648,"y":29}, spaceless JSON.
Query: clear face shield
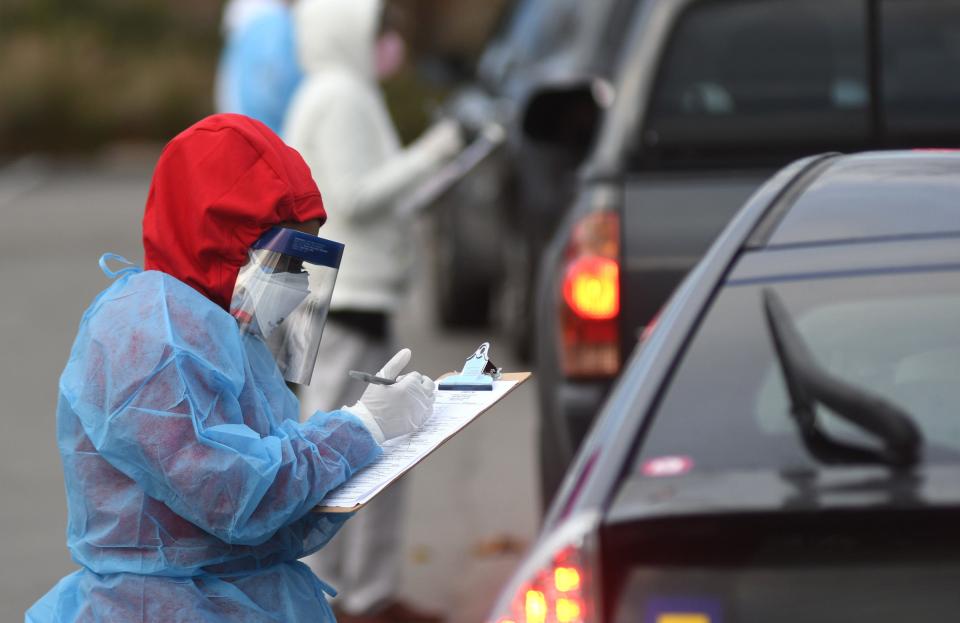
{"x":282,"y":296}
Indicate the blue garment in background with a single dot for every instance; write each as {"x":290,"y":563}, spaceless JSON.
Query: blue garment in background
{"x":259,"y":71}
{"x":189,"y":478}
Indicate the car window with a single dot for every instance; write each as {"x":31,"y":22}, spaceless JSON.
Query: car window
{"x":920,"y":80}
{"x":749,"y":76}
{"x":726,"y":406}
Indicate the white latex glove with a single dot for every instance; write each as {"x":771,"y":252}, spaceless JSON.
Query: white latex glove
{"x":443,"y":139}
{"x":390,"y":411}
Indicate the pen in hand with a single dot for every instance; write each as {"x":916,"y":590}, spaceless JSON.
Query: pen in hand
{"x":370,"y":378}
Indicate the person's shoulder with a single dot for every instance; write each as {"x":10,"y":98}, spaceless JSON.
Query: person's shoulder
{"x":143,"y":323}
{"x":183,"y":300}
{"x":154,"y":299}
{"x":149,"y":318}
{"x":151,"y":285}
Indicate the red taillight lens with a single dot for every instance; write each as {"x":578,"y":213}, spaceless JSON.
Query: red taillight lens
{"x":559,"y":581}
{"x":591,"y":287}
{"x":557,"y":594}
{"x":590,"y":301}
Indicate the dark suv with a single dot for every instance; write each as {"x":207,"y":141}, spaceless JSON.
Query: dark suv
{"x":711,"y":97}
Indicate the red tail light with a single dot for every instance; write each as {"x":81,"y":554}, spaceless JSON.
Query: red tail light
{"x":590,"y":302}
{"x":591,"y":287}
{"x":557,"y":594}
{"x":554,"y":585}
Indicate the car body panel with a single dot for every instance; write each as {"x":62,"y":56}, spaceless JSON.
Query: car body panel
{"x":940,"y":251}
{"x":668,"y":222}
{"x":864,"y":197}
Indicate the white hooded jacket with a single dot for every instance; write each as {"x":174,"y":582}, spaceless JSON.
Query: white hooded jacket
{"x":340,"y":124}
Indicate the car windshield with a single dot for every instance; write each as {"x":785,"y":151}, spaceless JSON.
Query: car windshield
{"x":726,"y":406}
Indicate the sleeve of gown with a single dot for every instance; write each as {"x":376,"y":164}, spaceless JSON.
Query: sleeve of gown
{"x":343,"y":142}
{"x":174,"y":417}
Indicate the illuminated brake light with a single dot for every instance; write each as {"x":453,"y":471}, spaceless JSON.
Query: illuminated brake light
{"x":589,"y":301}
{"x":535,"y":607}
{"x":568,"y":610}
{"x":556,"y":594}
{"x":592,"y":288}
{"x":558,"y":582}
{"x":566,"y":579}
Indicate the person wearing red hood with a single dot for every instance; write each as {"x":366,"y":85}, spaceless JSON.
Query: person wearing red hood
{"x":190,"y":480}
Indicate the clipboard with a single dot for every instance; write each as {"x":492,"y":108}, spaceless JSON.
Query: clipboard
{"x":453,"y":412}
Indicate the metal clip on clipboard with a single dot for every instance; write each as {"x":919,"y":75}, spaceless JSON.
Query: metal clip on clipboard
{"x":478,"y":373}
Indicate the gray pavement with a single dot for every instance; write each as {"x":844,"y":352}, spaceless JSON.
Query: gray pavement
{"x":472,"y":504}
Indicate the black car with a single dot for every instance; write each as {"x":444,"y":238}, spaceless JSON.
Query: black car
{"x":713,"y":97}
{"x":493,"y":225}
{"x":784,"y":445}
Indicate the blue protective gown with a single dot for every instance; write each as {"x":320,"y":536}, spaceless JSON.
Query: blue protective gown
{"x":189,"y":478}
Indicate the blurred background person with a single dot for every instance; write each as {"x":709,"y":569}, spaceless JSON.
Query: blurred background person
{"x":340,"y":123}
{"x":258,"y":72}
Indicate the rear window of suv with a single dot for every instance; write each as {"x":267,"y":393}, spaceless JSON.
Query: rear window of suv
{"x":921,"y":69}
{"x":757,"y":73}
{"x":769,"y":80}
{"x":726,"y":405}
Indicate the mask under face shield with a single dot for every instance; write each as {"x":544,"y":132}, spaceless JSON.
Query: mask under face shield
{"x":282,"y":296}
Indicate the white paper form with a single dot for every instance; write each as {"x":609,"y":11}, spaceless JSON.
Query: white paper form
{"x":452,"y":410}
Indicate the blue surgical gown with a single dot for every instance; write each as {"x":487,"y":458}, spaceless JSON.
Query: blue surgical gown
{"x":189,"y":479}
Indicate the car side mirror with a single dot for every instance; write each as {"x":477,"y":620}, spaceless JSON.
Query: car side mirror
{"x":567,"y":117}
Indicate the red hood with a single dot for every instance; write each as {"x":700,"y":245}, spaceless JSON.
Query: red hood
{"x":218,"y":186}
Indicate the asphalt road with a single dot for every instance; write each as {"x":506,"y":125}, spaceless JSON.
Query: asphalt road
{"x":472,"y":505}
